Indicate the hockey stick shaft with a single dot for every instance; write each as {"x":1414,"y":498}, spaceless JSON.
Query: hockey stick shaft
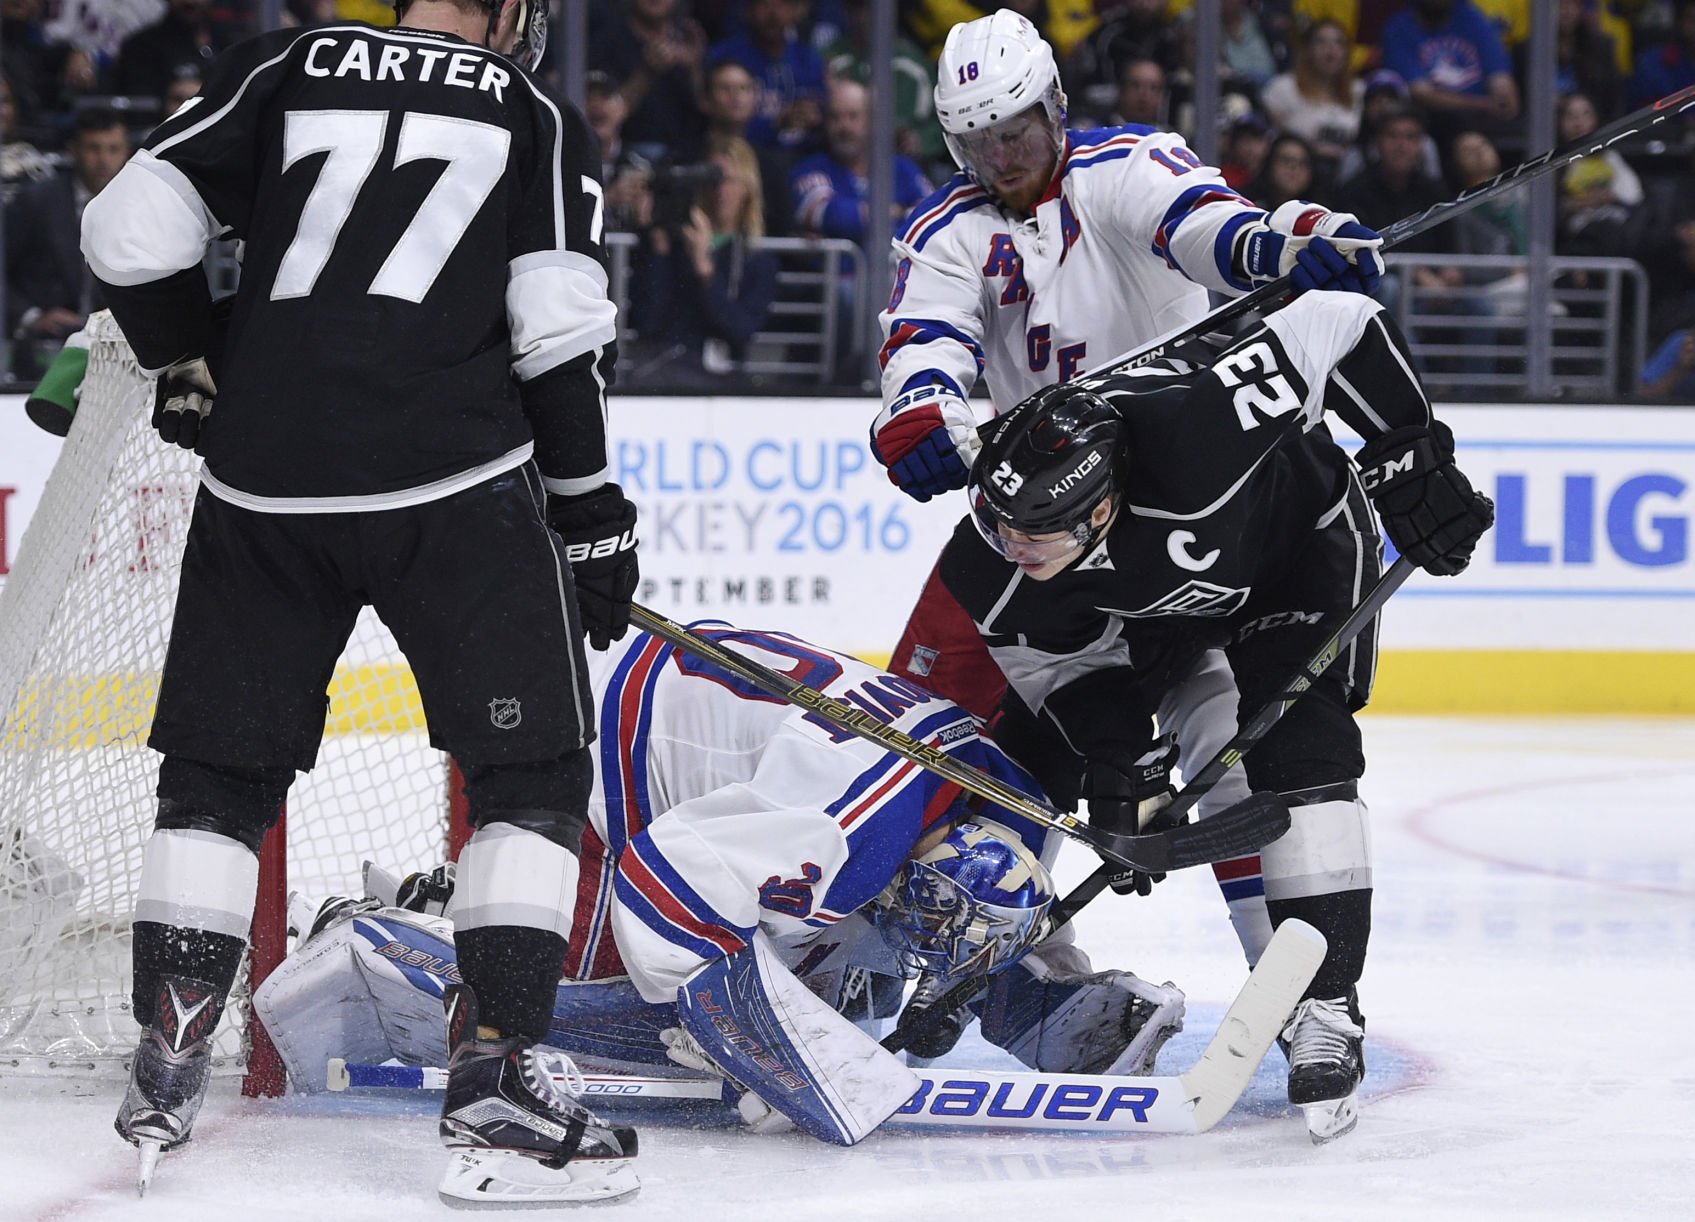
{"x":1230,"y":835}
{"x":1634,"y":124}
{"x":1198,"y":786}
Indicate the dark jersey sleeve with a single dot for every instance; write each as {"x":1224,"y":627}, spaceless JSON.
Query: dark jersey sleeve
{"x":563,"y":322}
{"x":194,"y":177}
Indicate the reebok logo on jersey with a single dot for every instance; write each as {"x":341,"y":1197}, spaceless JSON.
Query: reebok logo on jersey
{"x":505,"y":713}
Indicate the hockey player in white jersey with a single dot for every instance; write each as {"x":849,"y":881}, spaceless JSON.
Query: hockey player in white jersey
{"x":1050,"y":253}
{"x":743,"y":856}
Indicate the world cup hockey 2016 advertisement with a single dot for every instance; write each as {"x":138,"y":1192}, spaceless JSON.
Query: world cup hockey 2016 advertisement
{"x":773,"y":513}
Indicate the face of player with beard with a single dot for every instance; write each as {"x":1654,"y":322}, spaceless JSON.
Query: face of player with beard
{"x":1015,"y":159}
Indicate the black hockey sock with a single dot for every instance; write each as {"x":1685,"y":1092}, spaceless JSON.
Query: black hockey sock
{"x":514,"y":971}
{"x":1344,"y":918}
{"x":172,"y":950}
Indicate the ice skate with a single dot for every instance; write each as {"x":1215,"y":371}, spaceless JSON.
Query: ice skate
{"x":1325,"y":1040}
{"x":518,"y":1137}
{"x":168,"y":1077}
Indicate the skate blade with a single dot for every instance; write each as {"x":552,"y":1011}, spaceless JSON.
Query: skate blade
{"x":1331,"y":1118}
{"x":149,"y":1151}
{"x":500,"y":1179}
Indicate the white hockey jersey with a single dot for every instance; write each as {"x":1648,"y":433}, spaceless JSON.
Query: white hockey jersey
{"x":1120,"y":251}
{"x":718,"y":810}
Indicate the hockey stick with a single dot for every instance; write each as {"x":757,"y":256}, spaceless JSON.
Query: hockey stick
{"x":1209,"y":775}
{"x":1232,"y":833}
{"x":1191,"y":1102}
{"x":1634,"y":124}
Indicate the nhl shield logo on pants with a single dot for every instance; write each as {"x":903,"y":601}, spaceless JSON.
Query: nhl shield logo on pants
{"x":505,"y":713}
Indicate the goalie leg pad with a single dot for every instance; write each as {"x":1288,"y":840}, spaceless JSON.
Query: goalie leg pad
{"x":1058,"y":1022}
{"x":801,"y":1058}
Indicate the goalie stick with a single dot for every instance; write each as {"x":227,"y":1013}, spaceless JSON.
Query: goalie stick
{"x":1191,"y":1102}
{"x":1243,"y":828}
{"x":1209,"y":775}
{"x":1634,"y":124}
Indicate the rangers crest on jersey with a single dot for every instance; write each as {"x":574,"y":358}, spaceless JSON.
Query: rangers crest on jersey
{"x":1191,"y":598}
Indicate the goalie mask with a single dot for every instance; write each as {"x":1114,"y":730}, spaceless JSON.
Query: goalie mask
{"x":1044,"y":468}
{"x":969,"y":907}
{"x":532,"y":29}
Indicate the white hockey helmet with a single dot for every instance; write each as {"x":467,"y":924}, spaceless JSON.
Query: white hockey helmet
{"x":992,"y":70}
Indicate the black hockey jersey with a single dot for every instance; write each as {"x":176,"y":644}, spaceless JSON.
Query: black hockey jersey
{"x":422,"y":231}
{"x":1231,"y":476}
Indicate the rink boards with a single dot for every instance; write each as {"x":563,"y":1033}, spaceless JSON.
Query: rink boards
{"x":770,"y":512}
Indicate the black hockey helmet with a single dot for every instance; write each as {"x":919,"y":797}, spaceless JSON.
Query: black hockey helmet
{"x":1043,"y":469}
{"x":532,"y":28}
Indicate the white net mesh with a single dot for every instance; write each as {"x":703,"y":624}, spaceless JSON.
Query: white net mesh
{"x":84,"y":620}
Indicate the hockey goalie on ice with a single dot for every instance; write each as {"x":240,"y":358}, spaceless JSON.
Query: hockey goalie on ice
{"x":752,"y":879}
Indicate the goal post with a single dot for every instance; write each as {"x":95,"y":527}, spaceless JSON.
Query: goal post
{"x":84,"y":620}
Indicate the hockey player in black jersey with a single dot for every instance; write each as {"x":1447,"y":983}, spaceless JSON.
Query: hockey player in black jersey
{"x":407,"y":395}
{"x":1117,"y":537}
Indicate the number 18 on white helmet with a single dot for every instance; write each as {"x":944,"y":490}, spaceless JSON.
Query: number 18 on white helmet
{"x":1000,"y":105}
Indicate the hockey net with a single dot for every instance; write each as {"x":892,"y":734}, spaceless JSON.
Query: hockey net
{"x":84,"y":620}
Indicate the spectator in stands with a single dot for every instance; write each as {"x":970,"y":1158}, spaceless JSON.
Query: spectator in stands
{"x":1142,"y":95}
{"x":1287,"y":174}
{"x":918,"y":134}
{"x":728,"y":104}
{"x":1245,"y":59}
{"x":1385,"y":94}
{"x":1242,"y":152}
{"x":1064,"y":23}
{"x":789,"y":71}
{"x":1361,"y":20}
{"x":1669,"y":372}
{"x":1392,"y":184}
{"x":1454,"y":64}
{"x":654,"y":57}
{"x":310,"y":14}
{"x":700,"y":291}
{"x":1495,"y":227}
{"x":49,"y":290}
{"x":625,"y":175}
{"x":832,"y":190}
{"x":1319,"y":99}
{"x":45,"y":73}
{"x":1094,"y":73}
{"x":149,"y":58}
{"x":1671,"y":66}
{"x":21,"y":163}
{"x":1598,"y":195}
{"x":1668,"y":255}
{"x":1586,"y":59}
{"x":184,"y":85}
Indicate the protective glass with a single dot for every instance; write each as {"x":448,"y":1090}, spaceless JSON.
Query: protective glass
{"x":1027,"y":141}
{"x":935,"y":926}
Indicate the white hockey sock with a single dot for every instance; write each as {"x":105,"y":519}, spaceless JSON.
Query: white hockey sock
{"x":509,"y":875}
{"x":198,"y":880}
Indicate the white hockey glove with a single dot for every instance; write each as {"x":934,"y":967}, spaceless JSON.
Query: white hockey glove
{"x":927,"y":438}
{"x":182,"y":399}
{"x":1314,"y":247}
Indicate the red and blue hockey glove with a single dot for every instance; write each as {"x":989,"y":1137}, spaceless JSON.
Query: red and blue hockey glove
{"x":927,"y":438}
{"x":1314,"y":247}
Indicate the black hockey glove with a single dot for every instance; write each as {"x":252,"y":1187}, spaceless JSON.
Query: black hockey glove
{"x":429,"y":893}
{"x":599,"y":533}
{"x":182,"y":399}
{"x":1430,"y":511}
{"x":1127,"y":803}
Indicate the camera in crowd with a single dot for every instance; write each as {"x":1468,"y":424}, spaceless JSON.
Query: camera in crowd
{"x":677,"y":189}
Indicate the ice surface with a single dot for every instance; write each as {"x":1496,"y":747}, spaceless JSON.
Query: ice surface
{"x":1528,"y":992}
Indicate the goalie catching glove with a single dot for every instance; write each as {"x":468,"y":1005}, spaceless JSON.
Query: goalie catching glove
{"x":1430,"y":511}
{"x":927,"y":438}
{"x":599,"y":532}
{"x":1314,"y":247}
